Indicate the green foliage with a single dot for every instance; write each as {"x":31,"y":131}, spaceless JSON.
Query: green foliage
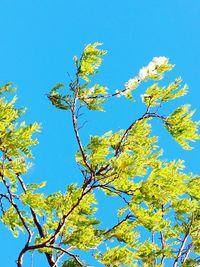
{"x":6,"y":88}
{"x":90,"y":97}
{"x":158,"y":220}
{"x":35,"y":201}
{"x":15,"y":138}
{"x":90,"y":60}
{"x":117,"y":257}
{"x":88,"y":65}
{"x":11,"y":219}
{"x":154,"y":95}
{"x":125,"y":233}
{"x":190,"y":263}
{"x":70,"y":263}
{"x":59,"y":100}
{"x":181,"y":127}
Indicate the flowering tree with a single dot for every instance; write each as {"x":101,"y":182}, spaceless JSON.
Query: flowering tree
{"x":158,"y":224}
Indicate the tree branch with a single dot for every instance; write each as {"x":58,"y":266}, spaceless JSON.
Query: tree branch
{"x":75,"y":257}
{"x":74,"y":121}
{"x":162,"y":237}
{"x":146,"y":115}
{"x":180,"y":251}
{"x":49,"y":256}
{"x":128,"y":216}
{"x":61,"y":224}
{"x":10,"y":198}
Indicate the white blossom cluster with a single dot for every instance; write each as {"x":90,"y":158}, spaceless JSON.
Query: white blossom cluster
{"x":145,"y":72}
{"x":152,"y":67}
{"x":132,"y":83}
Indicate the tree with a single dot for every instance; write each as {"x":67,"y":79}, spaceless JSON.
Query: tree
{"x":158,"y":224}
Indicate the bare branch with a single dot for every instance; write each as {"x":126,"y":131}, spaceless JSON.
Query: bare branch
{"x":74,"y":121}
{"x":162,"y":237}
{"x":146,"y":115}
{"x":75,"y":257}
{"x":180,"y":252}
{"x":82,"y":125}
{"x":128,"y":216}
{"x":58,"y":258}
{"x":113,"y":190}
{"x":187,"y":252}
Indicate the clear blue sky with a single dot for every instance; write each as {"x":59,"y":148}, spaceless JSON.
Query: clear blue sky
{"x":38,"y":39}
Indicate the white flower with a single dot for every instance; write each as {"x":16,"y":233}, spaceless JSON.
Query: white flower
{"x":143,"y":73}
{"x":152,"y":68}
{"x":159,"y":60}
{"x":131,"y":83}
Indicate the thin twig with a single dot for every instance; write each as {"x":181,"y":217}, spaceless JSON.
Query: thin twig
{"x":128,"y":216}
{"x":68,"y":253}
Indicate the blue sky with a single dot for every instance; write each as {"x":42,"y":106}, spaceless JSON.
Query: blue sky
{"x":38,"y":40}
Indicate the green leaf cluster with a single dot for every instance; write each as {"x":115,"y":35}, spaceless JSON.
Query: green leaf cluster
{"x":181,"y":126}
{"x":70,"y":263}
{"x":93,"y":97}
{"x":116,"y":257}
{"x":155,"y":95}
{"x":15,"y":139}
{"x":11,"y":219}
{"x":90,"y":60}
{"x":59,"y":100}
